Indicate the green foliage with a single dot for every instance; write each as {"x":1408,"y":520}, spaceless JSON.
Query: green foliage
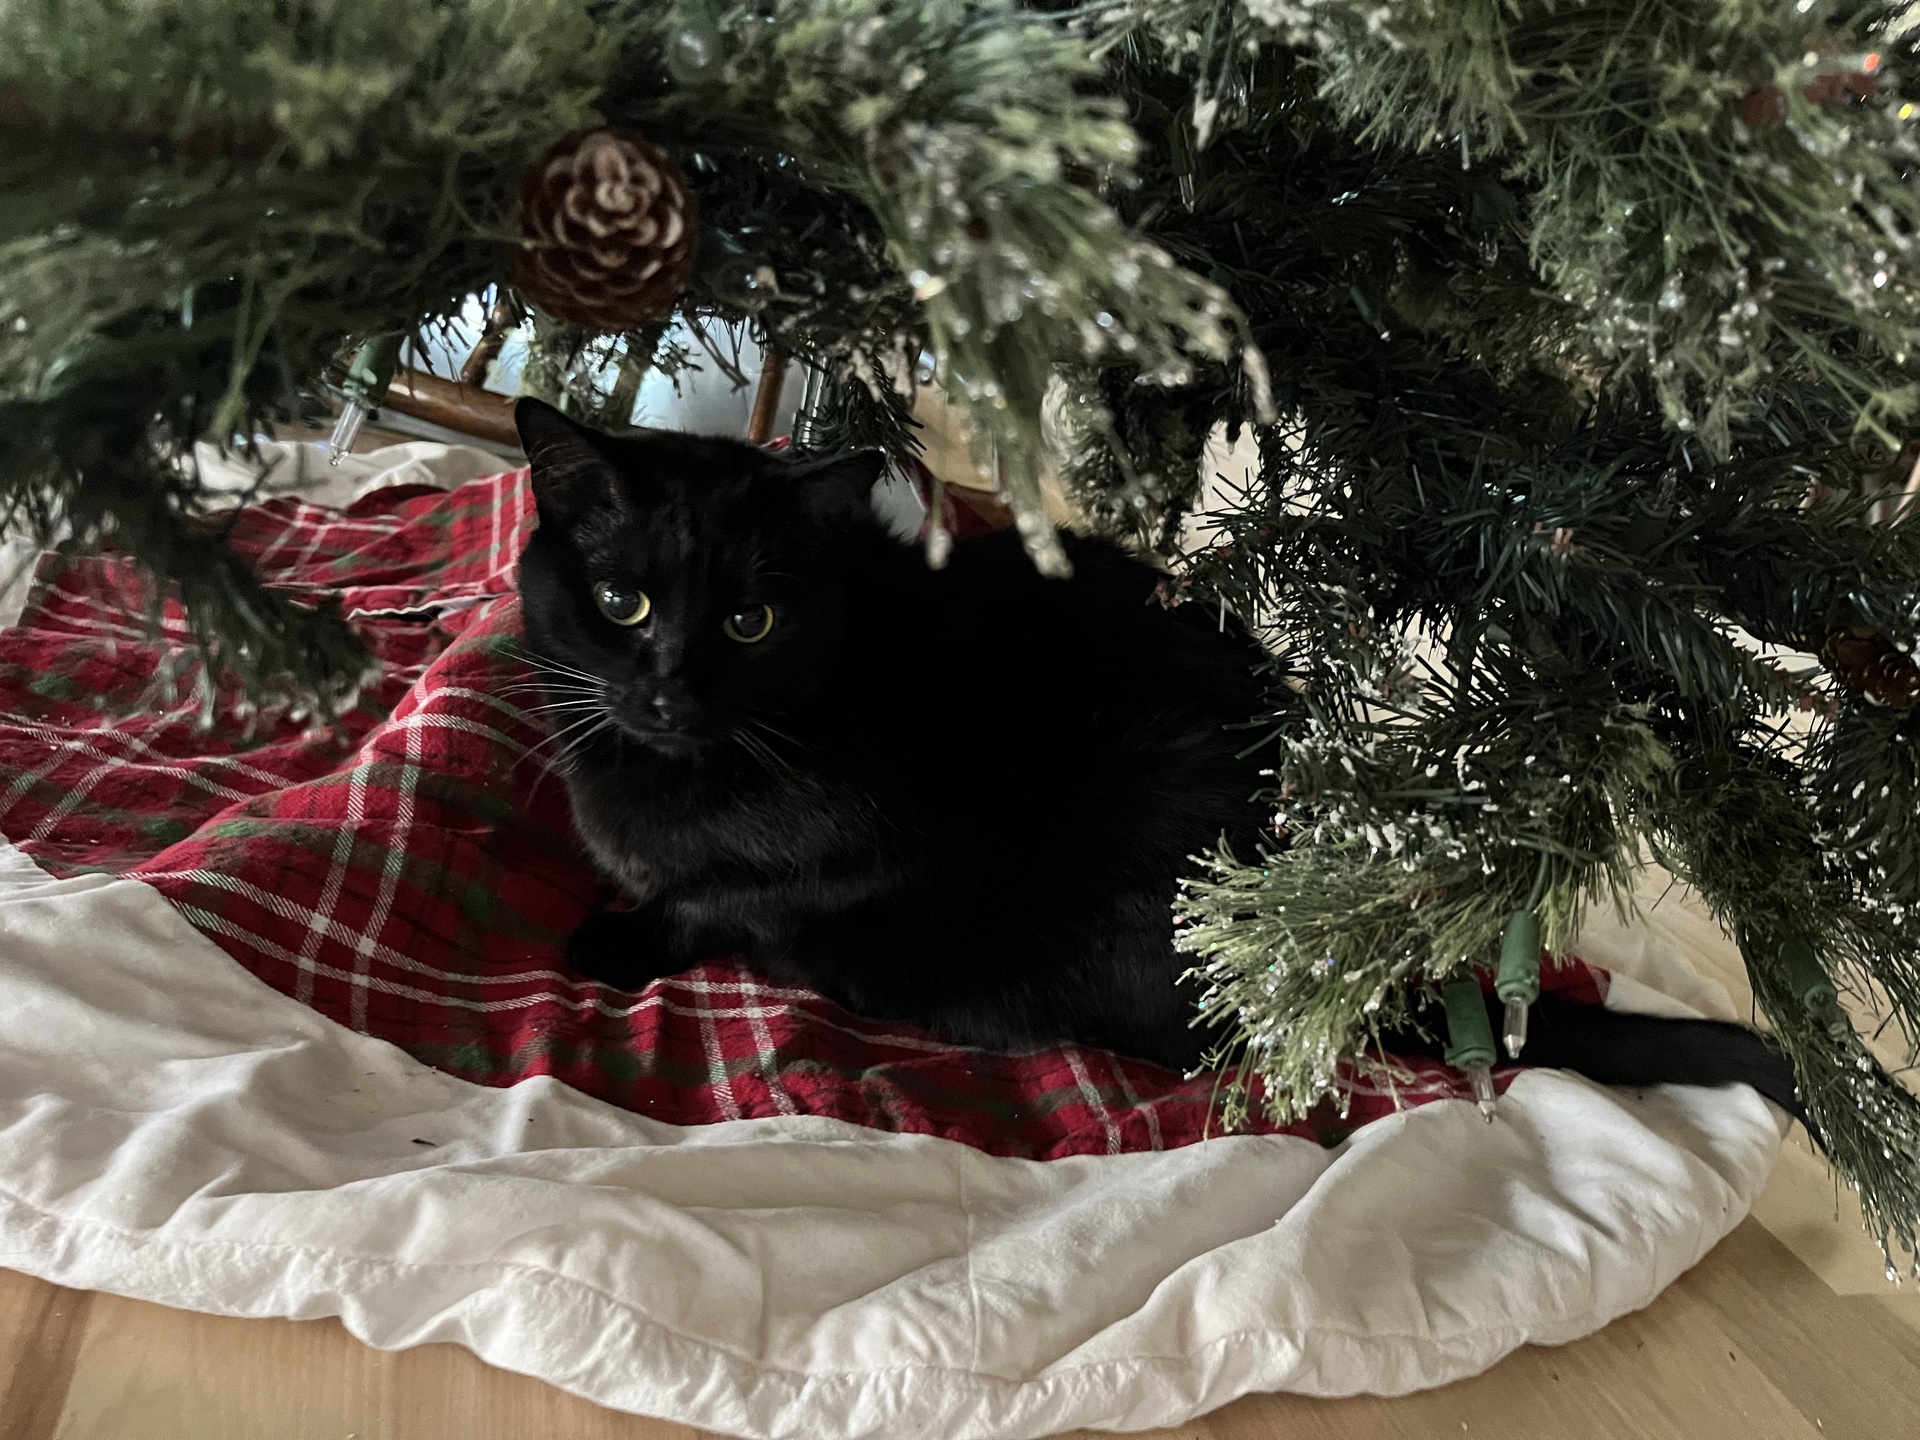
{"x":1589,"y":335}
{"x":203,"y":203}
{"x":961,"y":129}
{"x":1739,"y":827}
{"x":206,"y":204}
{"x":1516,"y":603}
{"x":1703,"y":188}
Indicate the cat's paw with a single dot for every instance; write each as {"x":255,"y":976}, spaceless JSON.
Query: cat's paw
{"x":621,"y":948}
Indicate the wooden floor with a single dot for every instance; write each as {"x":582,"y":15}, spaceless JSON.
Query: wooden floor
{"x":1787,"y":1330}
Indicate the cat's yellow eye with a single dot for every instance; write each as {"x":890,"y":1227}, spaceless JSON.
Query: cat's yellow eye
{"x":621,"y":605}
{"x":751,"y":625}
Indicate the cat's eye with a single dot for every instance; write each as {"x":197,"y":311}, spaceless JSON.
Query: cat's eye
{"x":751,"y":625}
{"x":621,"y":605}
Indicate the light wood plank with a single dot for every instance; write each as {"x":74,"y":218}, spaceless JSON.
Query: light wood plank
{"x":1904,"y":1307}
{"x":1818,"y":1219}
{"x":147,"y":1373}
{"x":1851,"y":1368}
{"x":40,"y":1335}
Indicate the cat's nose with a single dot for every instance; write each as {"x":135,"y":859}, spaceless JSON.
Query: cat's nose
{"x":666,"y":710}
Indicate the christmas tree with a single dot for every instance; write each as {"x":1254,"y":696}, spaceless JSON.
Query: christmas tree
{"x":1579,"y":343}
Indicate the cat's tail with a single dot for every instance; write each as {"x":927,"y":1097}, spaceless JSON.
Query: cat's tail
{"x":1613,"y":1048}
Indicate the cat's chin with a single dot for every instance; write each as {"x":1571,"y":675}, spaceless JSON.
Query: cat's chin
{"x":676,"y":745}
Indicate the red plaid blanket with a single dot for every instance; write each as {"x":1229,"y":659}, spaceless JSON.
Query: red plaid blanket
{"x":417,"y":882}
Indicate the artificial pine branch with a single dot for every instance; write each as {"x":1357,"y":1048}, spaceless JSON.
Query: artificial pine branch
{"x":961,"y":128}
{"x":1512,"y":592}
{"x":203,"y":204}
{"x":1707,"y":189}
{"x":1737,"y":826}
{"x":239,"y":195}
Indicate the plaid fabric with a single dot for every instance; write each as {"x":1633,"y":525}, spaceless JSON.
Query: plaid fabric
{"x":417,"y":881}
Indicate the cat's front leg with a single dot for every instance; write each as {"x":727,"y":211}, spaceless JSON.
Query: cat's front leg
{"x":625,"y":948}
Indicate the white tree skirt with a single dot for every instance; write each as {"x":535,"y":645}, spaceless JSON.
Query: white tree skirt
{"x":174,"y":1130}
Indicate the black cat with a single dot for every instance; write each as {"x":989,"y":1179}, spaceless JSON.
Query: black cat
{"x":960,"y":798}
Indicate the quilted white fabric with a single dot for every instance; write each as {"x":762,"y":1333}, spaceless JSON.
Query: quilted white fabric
{"x":172,"y":1129}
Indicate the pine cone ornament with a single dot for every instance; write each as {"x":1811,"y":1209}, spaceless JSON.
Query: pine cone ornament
{"x":1868,"y":664}
{"x":1763,"y":107}
{"x":615,"y":228}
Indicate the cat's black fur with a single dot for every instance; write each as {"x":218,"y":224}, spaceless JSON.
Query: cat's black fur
{"x":959,"y":797}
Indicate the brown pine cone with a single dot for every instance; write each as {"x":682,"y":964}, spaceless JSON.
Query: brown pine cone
{"x":615,"y":228}
{"x":1762,"y":108}
{"x":1867,"y":663}
{"x":1841,"y":88}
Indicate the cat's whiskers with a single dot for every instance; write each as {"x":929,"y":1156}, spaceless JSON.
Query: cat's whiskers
{"x":556,"y":698}
{"x":567,"y":677}
{"x":565,"y":692}
{"x":775,"y":731}
{"x":556,"y":707}
{"x":548,"y":687}
{"x":770,"y":760}
{"x":554,"y":737}
{"x":745,"y":742}
{"x":579,"y":742}
{"x":552,"y":667}
{"x":572,"y":748}
{"x":559,"y":682}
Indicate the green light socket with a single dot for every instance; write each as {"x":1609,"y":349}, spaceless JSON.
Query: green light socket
{"x":1469,"y":1034}
{"x":372,"y":369}
{"x":1519,"y":975}
{"x":1806,"y":976}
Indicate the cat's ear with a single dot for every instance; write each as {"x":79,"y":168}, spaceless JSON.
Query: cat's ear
{"x":837,"y":493}
{"x":571,"y":471}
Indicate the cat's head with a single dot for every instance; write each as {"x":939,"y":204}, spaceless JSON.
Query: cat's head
{"x":697,"y":581}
